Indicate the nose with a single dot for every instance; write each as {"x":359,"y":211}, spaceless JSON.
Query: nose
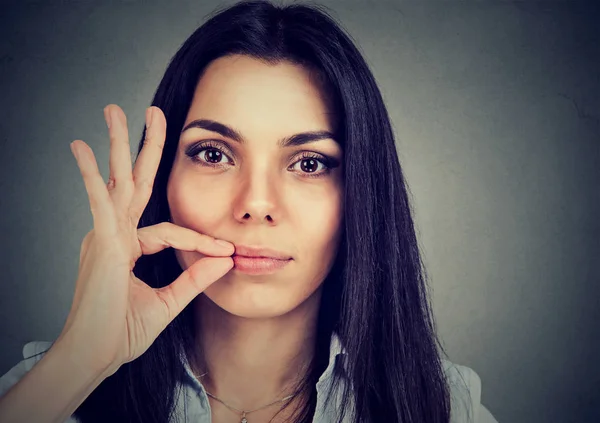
{"x":258,"y":199}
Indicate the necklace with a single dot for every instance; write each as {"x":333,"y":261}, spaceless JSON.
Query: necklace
{"x":243,"y":412}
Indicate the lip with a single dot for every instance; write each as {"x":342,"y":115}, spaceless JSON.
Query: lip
{"x":254,"y":260}
{"x":262,"y":252}
{"x":258,"y":265}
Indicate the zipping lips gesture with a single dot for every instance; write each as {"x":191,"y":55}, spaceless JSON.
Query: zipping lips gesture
{"x":115,"y":316}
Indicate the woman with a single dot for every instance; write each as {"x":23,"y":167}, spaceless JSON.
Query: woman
{"x":268,"y":165}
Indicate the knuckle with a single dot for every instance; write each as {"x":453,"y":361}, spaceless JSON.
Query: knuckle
{"x":149,"y":140}
{"x":94,"y":206}
{"x":145,"y":183}
{"x":85,"y":173}
{"x":114,"y":138}
{"x":204,"y":239}
{"x":124,"y":183}
{"x":190,"y":277}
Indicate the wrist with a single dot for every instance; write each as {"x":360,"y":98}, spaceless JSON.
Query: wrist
{"x":82,"y":360}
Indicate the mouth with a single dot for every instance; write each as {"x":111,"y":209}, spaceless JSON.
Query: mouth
{"x":259,"y":259}
{"x":255,"y":251}
{"x":258,"y":265}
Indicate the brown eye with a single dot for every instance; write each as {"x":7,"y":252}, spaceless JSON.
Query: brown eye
{"x":313,"y":167}
{"x":208,"y":154}
{"x":213,"y":156}
{"x":309,"y":165}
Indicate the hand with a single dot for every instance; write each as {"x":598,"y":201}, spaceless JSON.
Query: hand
{"x":115,"y":316}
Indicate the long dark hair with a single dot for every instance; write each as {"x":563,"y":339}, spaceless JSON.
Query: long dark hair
{"x":374,"y":297}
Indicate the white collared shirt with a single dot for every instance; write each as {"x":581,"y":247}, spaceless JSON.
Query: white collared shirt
{"x":193,"y":405}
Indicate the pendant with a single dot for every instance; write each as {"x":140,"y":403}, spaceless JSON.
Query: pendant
{"x":244,"y":420}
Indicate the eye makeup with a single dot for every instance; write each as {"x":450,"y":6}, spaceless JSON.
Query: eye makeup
{"x":197,"y":154}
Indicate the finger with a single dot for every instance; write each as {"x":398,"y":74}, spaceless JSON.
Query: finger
{"x":100,"y":203}
{"x":147,"y":163}
{"x":120,"y":180}
{"x":192,"y":282}
{"x":163,"y":235}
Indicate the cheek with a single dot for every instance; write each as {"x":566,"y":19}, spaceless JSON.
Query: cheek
{"x":319,"y":224}
{"x":320,"y":239}
{"x":195,"y":206}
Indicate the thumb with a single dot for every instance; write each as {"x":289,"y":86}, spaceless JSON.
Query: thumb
{"x":192,"y":281}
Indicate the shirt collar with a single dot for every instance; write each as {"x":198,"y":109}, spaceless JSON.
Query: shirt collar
{"x":335,"y":349}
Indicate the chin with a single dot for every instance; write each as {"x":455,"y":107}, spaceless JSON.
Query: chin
{"x":249,"y":300}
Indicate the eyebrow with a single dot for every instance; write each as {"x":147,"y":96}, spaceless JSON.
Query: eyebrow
{"x":226,"y":131}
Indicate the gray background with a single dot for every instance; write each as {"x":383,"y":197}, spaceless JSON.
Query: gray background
{"x":497,"y":112}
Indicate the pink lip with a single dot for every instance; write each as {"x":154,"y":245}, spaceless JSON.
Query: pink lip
{"x":258,"y":251}
{"x":258,"y":265}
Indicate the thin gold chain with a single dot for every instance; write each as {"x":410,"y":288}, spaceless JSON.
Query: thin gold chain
{"x":243,"y":412}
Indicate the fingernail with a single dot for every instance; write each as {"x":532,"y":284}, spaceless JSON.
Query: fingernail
{"x":224,"y":243}
{"x":107,"y":117}
{"x":148,"y":117}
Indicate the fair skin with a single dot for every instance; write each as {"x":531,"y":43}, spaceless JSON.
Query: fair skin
{"x":115,"y":316}
{"x":257,"y":331}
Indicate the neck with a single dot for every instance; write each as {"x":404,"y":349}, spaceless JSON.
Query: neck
{"x":253,"y":362}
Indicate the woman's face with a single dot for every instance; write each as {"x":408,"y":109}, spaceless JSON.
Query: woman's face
{"x":256,"y":191}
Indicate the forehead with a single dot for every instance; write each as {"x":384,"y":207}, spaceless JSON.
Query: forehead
{"x":255,"y":96}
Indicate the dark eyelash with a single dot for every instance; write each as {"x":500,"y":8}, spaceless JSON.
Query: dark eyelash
{"x":198,"y":148}
{"x":328,"y":162}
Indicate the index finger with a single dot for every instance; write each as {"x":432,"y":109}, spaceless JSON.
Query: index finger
{"x":147,"y":163}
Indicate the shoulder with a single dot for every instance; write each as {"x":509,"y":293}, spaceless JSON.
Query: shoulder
{"x":465,"y":393}
{"x":32,"y":353}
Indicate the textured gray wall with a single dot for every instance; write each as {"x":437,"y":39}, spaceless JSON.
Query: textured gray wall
{"x":496,"y":107}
